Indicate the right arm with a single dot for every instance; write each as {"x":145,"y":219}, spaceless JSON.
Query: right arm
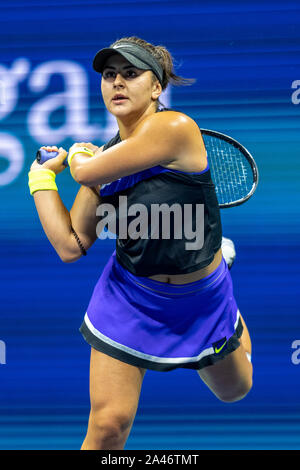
{"x":56,"y":220}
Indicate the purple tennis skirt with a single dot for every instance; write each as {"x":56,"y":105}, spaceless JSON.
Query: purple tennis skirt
{"x":161,"y":326}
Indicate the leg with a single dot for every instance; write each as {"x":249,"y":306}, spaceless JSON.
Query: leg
{"x":245,"y":338}
{"x":114,"y":392}
{"x":231,"y":378}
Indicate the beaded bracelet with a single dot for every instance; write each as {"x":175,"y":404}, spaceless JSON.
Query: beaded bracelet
{"x":82,"y":249}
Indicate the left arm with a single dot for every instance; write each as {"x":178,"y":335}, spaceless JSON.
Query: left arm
{"x":157,"y":140}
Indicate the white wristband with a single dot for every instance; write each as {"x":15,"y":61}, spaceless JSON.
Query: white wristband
{"x":85,"y":150}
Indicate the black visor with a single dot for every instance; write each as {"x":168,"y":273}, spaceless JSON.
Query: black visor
{"x":136,"y":55}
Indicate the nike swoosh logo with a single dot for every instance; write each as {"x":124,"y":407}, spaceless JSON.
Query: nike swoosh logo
{"x":217,"y":350}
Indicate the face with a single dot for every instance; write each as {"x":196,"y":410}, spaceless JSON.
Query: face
{"x":121,"y":77}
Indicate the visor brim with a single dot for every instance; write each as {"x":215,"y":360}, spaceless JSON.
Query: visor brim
{"x":103,"y":55}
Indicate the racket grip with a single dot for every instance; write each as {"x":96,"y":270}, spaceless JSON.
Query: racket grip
{"x":43,"y":155}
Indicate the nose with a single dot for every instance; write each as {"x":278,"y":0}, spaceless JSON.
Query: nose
{"x":118,"y":79}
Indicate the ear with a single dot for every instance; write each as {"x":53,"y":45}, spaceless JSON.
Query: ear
{"x":156,"y":90}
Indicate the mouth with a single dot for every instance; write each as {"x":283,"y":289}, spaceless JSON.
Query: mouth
{"x":119,"y":99}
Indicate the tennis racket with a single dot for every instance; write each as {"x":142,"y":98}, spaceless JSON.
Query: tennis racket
{"x":233,"y":169}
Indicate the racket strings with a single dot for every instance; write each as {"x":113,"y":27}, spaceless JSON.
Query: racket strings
{"x":230,"y":170}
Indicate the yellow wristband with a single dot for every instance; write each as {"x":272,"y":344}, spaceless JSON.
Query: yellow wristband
{"x":41,"y":180}
{"x":79,"y":150}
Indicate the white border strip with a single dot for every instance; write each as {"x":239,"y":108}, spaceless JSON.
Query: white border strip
{"x":148,"y":357}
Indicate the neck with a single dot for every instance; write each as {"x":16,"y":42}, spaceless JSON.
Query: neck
{"x":127,"y":124}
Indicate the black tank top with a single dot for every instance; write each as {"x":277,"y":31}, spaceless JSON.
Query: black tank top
{"x":172,"y":217}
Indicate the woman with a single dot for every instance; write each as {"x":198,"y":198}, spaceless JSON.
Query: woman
{"x":161,"y":302}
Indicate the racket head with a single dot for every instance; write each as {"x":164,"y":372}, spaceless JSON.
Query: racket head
{"x":233,"y":168}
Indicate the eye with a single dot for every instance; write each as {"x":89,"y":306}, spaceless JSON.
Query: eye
{"x":131,"y":73}
{"x":126,"y":74}
{"x":107,"y":74}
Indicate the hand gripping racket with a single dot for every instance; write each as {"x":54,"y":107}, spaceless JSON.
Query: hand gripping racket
{"x":43,"y":155}
{"x":233,"y":169}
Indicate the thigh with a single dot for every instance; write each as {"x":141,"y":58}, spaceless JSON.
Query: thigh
{"x":231,"y":377}
{"x":114,"y":385}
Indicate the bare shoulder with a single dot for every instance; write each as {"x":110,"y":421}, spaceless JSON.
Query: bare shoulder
{"x":190,"y":154}
{"x":170,"y":121}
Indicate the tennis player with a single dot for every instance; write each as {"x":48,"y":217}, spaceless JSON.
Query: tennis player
{"x":161,"y":303}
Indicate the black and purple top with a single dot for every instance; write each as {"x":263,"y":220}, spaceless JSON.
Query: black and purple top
{"x":178,"y":227}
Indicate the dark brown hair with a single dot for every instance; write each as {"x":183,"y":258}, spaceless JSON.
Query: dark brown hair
{"x":165,"y":59}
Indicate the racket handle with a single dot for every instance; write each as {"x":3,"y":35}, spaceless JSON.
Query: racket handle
{"x":43,"y":155}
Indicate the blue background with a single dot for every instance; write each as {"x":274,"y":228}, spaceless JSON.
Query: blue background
{"x":245,"y":57}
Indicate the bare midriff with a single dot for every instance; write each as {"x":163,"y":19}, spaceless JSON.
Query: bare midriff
{"x":190,"y":277}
